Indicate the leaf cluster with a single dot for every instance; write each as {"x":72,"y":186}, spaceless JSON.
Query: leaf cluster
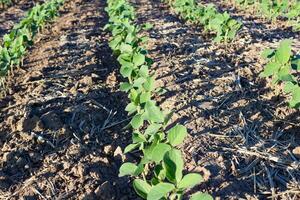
{"x":21,"y":36}
{"x":272,"y":9}
{"x":207,"y":16}
{"x":159,"y":172}
{"x":281,"y":65}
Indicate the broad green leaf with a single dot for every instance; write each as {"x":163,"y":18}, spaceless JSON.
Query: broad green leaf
{"x":125,"y":87}
{"x":141,"y":187}
{"x":270,"y":69}
{"x":138,"y":137}
{"x":173,"y":164}
{"x":160,"y":190}
{"x":126,"y":71}
{"x":289,"y":87}
{"x":146,"y":96}
{"x":152,"y":128}
{"x":138,"y":82}
{"x":144,"y":71}
{"x":190,"y":180}
{"x":201,"y":196}
{"x":284,"y":52}
{"x":127,"y":169}
{"x":267,"y":53}
{"x":137,"y":121}
{"x":177,"y":134}
{"x":131,"y":108}
{"x":149,"y":85}
{"x":131,"y":147}
{"x":126,"y":48}
{"x":153,"y":112}
{"x":295,"y":101}
{"x":138,"y":59}
{"x":159,"y":152}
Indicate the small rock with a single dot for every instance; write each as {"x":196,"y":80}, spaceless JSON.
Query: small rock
{"x":296,"y":152}
{"x":118,"y":154}
{"x":206,"y":105}
{"x":87,"y":80}
{"x":108,"y":149}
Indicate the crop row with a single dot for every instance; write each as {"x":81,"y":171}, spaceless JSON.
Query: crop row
{"x":207,"y":16}
{"x":272,"y":9}
{"x":282,"y":65}
{"x":5,"y":3}
{"x":21,"y":36}
{"x":159,"y":172}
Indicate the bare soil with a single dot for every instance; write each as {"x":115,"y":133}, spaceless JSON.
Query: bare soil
{"x":61,"y":124}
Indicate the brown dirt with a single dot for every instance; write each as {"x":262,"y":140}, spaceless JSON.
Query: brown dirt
{"x":60,"y":130}
{"x":61,"y":123}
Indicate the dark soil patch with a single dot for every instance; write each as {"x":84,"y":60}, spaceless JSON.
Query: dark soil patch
{"x":61,"y":123}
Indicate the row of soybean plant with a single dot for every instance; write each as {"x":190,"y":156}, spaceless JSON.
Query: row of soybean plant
{"x":158,"y":174}
{"x":6,"y":3}
{"x":207,"y":16}
{"x":272,"y":9}
{"x":21,"y":36}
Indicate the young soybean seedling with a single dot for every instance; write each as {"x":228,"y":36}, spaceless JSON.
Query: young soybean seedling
{"x":280,"y":67}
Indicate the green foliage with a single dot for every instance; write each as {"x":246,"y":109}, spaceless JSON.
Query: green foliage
{"x":5,"y":3}
{"x":280,"y":66}
{"x":159,"y":173}
{"x":21,"y":36}
{"x":222,"y":24}
{"x":272,"y":9}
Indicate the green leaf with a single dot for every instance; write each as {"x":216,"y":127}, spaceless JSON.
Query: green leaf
{"x":289,"y":87}
{"x":145,"y":96}
{"x":141,"y":187}
{"x":295,"y":101}
{"x":126,"y":71}
{"x":153,"y":112}
{"x":149,"y":85}
{"x":126,"y":48}
{"x":284,"y":52}
{"x":125,"y":87}
{"x":173,"y":164}
{"x":137,"y":121}
{"x":131,"y":147}
{"x":159,"y":152}
{"x":201,"y":196}
{"x":267,"y":53}
{"x":131,"y":108}
{"x":160,"y":190}
{"x":190,"y":180}
{"x":127,"y":169}
{"x":138,"y":137}
{"x":138,"y":82}
{"x":177,"y":134}
{"x":138,"y":59}
{"x":152,"y":128}
{"x":144,"y":71}
{"x":270,"y":69}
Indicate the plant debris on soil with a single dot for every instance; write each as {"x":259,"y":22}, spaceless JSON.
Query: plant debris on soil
{"x":62,"y":121}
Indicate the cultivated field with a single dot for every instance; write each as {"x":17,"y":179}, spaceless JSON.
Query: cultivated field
{"x":149,"y":99}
